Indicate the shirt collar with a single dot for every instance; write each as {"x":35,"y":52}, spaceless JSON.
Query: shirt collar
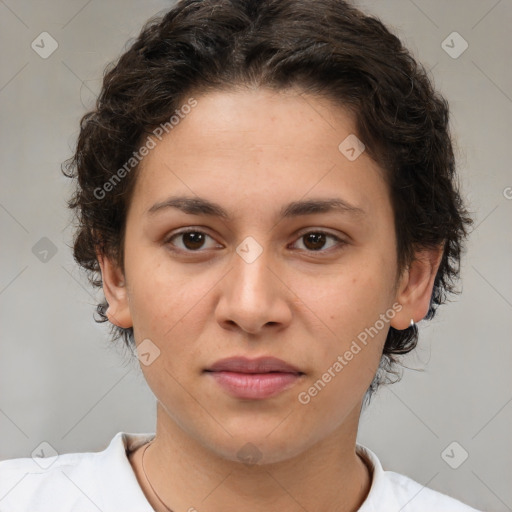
{"x":380,"y":494}
{"x":118,"y":485}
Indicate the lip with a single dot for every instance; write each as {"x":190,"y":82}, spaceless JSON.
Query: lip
{"x":254,"y":379}
{"x":265,"y":364}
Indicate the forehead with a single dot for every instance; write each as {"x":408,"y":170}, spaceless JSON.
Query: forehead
{"x":259,"y":145}
{"x":264,"y":117}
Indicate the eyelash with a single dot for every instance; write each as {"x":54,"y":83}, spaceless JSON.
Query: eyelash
{"x":338,"y":240}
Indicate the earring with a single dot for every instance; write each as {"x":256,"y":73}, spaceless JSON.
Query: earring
{"x":412,"y":322}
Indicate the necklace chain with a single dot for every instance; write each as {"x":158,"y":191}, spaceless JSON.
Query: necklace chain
{"x":147,"y":479}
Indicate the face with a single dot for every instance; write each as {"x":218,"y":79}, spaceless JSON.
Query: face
{"x":266,"y":278}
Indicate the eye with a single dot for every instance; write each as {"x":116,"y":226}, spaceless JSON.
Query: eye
{"x":192,"y":240}
{"x":314,"y":241}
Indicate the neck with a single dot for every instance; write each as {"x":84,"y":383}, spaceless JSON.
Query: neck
{"x":186,"y":475}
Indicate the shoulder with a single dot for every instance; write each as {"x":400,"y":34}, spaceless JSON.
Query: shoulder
{"x":26,"y":485}
{"x":80,"y":482}
{"x":418,"y":498}
{"x":395,"y":492}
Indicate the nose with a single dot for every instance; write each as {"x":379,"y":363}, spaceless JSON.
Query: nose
{"x":254,"y":297}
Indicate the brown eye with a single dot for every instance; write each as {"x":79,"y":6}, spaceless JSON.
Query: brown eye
{"x":315,"y":241}
{"x":191,"y":240}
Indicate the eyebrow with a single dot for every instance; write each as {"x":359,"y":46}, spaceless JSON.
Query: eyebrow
{"x":202,"y":206}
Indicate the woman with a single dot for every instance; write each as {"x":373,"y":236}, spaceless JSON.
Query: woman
{"x":266,"y":193}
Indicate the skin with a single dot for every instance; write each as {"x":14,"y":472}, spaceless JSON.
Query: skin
{"x":254,"y":151}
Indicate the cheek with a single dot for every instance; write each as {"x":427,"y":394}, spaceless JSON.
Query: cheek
{"x":160,"y":296}
{"x":345,"y":311}
{"x":348,"y":344}
{"x":351,"y":297}
{"x":171,"y":304}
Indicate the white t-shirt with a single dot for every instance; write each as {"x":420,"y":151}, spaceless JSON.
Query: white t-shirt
{"x":104,"y":481}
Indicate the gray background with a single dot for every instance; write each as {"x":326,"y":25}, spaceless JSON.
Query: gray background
{"x":60,"y":379}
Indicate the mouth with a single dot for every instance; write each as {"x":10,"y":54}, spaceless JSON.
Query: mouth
{"x":254,"y":379}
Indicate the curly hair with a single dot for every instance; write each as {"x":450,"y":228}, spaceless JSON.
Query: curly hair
{"x":323,"y":47}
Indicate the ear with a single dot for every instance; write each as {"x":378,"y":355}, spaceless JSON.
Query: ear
{"x":116,"y":293}
{"x":415,"y":287}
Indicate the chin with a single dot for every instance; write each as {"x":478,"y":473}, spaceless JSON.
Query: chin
{"x":259,"y":448}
